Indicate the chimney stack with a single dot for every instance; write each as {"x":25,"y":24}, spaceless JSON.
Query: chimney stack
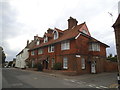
{"x":27,"y":42}
{"x":72,"y":22}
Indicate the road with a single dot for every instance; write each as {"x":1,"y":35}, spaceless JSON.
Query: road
{"x":17,"y":78}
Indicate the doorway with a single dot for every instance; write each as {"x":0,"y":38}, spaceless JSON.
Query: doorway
{"x":45,"y":64}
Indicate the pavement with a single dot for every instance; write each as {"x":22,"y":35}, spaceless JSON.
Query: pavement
{"x":16,"y":78}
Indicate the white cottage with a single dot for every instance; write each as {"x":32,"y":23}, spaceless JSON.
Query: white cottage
{"x":24,"y":54}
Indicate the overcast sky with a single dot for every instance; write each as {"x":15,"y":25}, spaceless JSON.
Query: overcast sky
{"x":22,"y":19}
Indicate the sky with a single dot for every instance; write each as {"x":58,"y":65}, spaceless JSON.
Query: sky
{"x":21,"y":20}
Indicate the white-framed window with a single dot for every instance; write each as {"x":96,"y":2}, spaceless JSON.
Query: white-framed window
{"x":65,"y":62}
{"x":38,"y":42}
{"x":65,"y":45}
{"x":83,"y":63}
{"x":55,"y":35}
{"x":85,"y":31}
{"x":32,"y":53}
{"x":53,"y":62}
{"x":45,"y":39}
{"x":51,"y":48}
{"x":40,"y":51}
{"x":94,"y":47}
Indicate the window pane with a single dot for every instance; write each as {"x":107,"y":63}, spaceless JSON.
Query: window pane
{"x":65,"y":45}
{"x":82,"y":63}
{"x":65,"y":62}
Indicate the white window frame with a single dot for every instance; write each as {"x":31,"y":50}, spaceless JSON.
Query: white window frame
{"x":32,"y":53}
{"x":38,"y":42}
{"x":65,"y":62}
{"x":55,"y":34}
{"x":65,"y":45}
{"x":45,"y":39}
{"x":51,"y":48}
{"x":94,"y":47}
{"x":82,"y":63}
{"x":40,"y":51}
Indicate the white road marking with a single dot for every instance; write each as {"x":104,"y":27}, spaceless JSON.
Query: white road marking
{"x":35,"y":78}
{"x":72,"y":80}
{"x":91,"y":85}
{"x":97,"y":87}
{"x":103,"y":87}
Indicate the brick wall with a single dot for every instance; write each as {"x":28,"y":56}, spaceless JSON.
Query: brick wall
{"x":110,"y":66}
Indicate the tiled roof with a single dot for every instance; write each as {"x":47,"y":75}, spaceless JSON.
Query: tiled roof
{"x":48,"y":35}
{"x":60,"y":31}
{"x":67,"y":34}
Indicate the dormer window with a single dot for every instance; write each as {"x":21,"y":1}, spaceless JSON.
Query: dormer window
{"x":45,"y":39}
{"x":38,"y":42}
{"x":55,"y":35}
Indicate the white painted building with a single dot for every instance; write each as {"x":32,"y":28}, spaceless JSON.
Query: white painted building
{"x":21,"y":57}
{"x":24,"y":54}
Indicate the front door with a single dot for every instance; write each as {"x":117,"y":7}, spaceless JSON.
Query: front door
{"x":93,"y":67}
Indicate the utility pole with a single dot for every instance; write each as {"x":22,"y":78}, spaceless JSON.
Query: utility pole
{"x":116,"y":27}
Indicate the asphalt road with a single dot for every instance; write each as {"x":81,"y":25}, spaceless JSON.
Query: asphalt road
{"x":16,"y":78}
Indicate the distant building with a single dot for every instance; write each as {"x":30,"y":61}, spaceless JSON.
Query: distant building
{"x":74,"y":47}
{"x":22,"y":56}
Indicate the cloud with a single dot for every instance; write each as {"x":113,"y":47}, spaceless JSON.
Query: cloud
{"x":22,"y":19}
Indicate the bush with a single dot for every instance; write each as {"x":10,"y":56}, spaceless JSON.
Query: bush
{"x":57,"y":66}
{"x":39,"y":66}
{"x":29,"y":64}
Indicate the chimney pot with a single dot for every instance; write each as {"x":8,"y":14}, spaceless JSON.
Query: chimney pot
{"x":72,"y":22}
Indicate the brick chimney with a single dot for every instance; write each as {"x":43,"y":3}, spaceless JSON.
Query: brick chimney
{"x":35,"y":37}
{"x":72,"y":22}
{"x":27,"y":42}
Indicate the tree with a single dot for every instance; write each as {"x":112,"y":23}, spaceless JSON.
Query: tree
{"x":2,"y":55}
{"x":112,"y":58}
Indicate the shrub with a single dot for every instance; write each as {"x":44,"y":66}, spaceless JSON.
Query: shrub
{"x":57,"y":66}
{"x":40,"y":67}
{"x":29,"y":64}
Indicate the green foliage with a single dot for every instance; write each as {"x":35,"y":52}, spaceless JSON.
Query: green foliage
{"x":57,"y":66}
{"x":111,"y":58}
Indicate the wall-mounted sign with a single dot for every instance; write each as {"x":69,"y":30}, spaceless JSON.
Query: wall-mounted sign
{"x":77,"y":55}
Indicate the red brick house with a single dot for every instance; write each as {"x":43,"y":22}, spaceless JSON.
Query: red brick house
{"x":74,"y":47}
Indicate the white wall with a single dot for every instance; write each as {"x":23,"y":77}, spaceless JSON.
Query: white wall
{"x":20,"y":59}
